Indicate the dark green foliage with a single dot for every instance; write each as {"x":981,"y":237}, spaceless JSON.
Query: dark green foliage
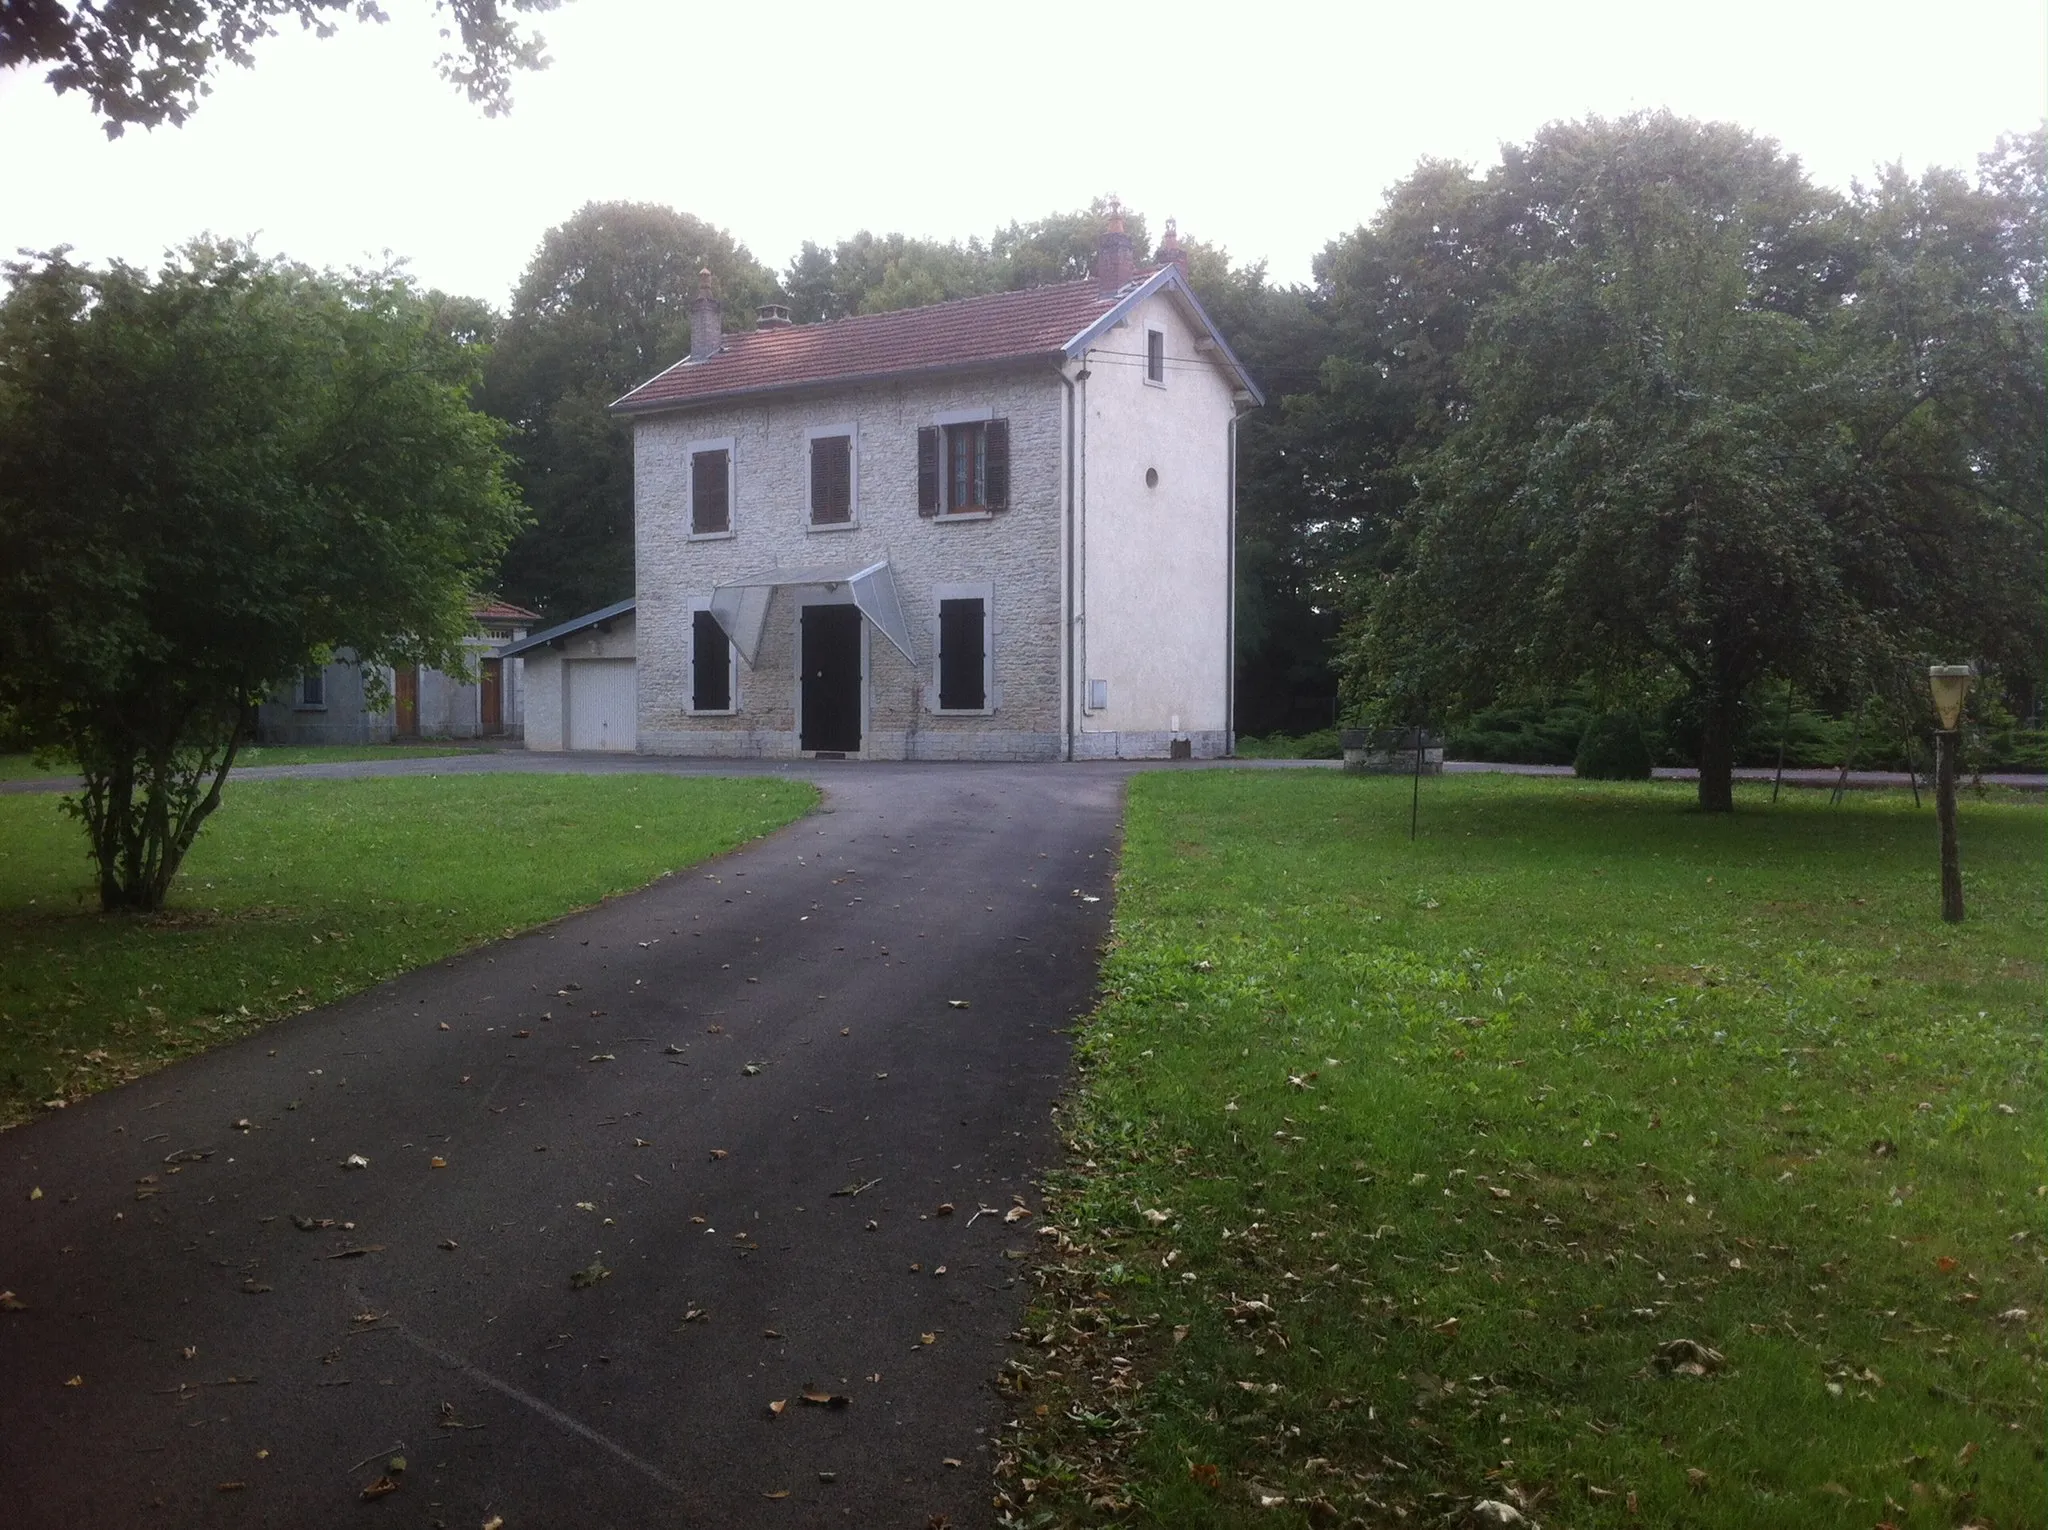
{"x":211,"y":479}
{"x":1323,"y":744}
{"x":147,"y":62}
{"x":1526,"y":733}
{"x":1681,"y":459}
{"x":604,"y":306}
{"x":878,"y":273}
{"x":1613,"y":749}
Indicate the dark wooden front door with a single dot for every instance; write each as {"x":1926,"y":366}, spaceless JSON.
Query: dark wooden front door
{"x":831,"y":679}
{"x":405,"y":696}
{"x":492,"y":706}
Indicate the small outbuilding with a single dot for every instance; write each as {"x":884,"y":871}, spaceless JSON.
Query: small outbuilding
{"x":580,"y":690}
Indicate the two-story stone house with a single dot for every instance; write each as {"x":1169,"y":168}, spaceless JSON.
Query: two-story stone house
{"x":997,"y":528}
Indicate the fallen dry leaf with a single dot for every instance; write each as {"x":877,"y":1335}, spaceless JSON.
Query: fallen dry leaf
{"x":9,"y":1302}
{"x":950,"y":1461}
{"x":927,"y":1338}
{"x":355,"y":1161}
{"x":956,"y":1004}
{"x":495,"y":1522}
{"x":1687,"y":1357}
{"x":381,"y":1487}
{"x":229,"y":1487}
{"x":776,"y":1407}
{"x":437,"y":1163}
{"x":718,"y":1153}
{"x":944,"y":1209}
{"x":820,"y":1397}
{"x":589,"y":1275}
{"x":778,"y":1492}
{"x":79,"y":1381}
{"x":1016,"y":1214}
{"x":1696,"y":1479}
{"x":1205,"y":1475}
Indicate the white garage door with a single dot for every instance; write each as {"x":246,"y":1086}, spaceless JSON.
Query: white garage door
{"x":601,"y":704}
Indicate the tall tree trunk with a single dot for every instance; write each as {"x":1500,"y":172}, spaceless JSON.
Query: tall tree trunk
{"x":1717,"y":751}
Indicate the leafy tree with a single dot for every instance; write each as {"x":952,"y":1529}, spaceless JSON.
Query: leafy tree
{"x":878,"y":273}
{"x":210,"y":480}
{"x":146,"y":62}
{"x":604,"y":305}
{"x":1692,"y":443}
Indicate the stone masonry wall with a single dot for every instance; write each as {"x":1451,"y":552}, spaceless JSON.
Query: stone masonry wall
{"x":1016,"y":551}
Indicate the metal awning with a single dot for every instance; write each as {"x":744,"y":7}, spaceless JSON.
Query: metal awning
{"x":740,"y":606}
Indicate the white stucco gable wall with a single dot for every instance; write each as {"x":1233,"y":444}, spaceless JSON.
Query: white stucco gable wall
{"x":1156,"y":568}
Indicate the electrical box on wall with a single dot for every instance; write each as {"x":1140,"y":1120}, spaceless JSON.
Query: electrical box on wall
{"x":1098,"y":695}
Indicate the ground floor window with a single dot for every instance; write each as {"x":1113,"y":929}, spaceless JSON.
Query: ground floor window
{"x":963,"y":654}
{"x":711,"y":664}
{"x":313,"y":688}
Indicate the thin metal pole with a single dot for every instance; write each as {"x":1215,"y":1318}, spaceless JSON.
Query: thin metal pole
{"x":1912,"y":772}
{"x":1945,"y":814}
{"x":1784,"y":733}
{"x":1415,"y":795}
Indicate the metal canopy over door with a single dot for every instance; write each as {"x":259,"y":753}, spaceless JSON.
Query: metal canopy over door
{"x":831,"y":679}
{"x":602,"y":704}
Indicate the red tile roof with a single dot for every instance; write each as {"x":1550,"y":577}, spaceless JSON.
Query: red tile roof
{"x":503,"y":611}
{"x":1004,"y":326}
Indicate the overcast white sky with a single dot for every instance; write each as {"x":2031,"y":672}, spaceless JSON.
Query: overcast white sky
{"x":1269,"y":127}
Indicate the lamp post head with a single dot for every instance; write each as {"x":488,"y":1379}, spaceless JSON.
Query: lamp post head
{"x":1950,"y":684}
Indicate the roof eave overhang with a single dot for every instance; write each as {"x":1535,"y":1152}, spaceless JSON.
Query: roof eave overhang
{"x":1021,"y":360}
{"x":548,"y":635}
{"x":1168,"y":279}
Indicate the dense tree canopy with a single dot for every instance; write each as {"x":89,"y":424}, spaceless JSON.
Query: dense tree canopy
{"x":211,"y":479}
{"x":142,"y":63}
{"x":604,"y":305}
{"x":1676,"y":420}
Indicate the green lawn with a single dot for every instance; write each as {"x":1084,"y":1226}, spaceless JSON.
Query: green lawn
{"x":299,"y":892}
{"x":23,"y":767}
{"x":1394,"y":1167}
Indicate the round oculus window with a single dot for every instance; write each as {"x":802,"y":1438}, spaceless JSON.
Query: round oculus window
{"x":1151,"y":478}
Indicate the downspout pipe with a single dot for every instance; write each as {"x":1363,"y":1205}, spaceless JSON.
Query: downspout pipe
{"x":1067,"y":575}
{"x":1230,"y":598}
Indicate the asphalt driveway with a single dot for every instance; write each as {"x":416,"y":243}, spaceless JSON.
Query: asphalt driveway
{"x":750,"y":1136}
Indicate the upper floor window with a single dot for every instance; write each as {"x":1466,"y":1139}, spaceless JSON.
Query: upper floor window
{"x":711,"y":489}
{"x":1155,"y":357}
{"x":963,"y":468}
{"x":832,"y":476}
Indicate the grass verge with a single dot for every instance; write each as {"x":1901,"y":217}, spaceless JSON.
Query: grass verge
{"x":24,"y":767}
{"x":1589,"y":1157}
{"x":299,"y":892}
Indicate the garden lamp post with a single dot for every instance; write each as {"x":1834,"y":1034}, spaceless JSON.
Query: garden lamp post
{"x":1950,"y":684}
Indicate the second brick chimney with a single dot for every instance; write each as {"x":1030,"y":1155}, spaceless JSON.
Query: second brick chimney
{"x":1170,"y":253}
{"x":707,"y":327}
{"x":1114,"y":263}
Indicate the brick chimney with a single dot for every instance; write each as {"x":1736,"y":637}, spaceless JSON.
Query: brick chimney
{"x":707,"y":328}
{"x":1170,"y":252}
{"x":1114,"y":264}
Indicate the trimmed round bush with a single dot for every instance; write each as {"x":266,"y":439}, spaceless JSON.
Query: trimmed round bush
{"x":1613,"y":749}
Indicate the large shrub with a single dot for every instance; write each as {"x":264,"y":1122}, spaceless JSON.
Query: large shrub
{"x":1613,"y":749}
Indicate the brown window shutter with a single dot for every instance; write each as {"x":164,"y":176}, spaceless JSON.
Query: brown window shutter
{"x":928,"y":470}
{"x":710,"y":492}
{"x":831,"y":480}
{"x":999,"y":464}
